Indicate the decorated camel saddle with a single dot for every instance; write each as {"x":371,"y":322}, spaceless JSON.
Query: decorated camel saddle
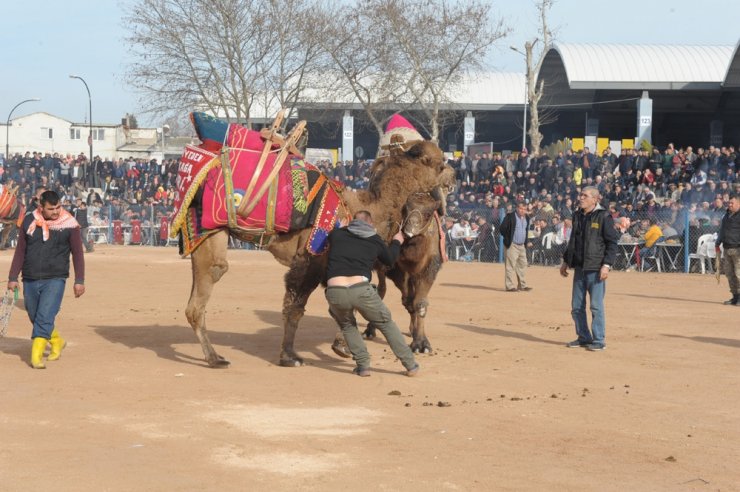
{"x":11,"y":209}
{"x":253,"y":183}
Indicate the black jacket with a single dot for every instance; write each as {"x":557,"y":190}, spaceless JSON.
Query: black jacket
{"x":351,"y":255}
{"x":593,"y":242}
{"x":729,"y":231}
{"x":508,"y":226}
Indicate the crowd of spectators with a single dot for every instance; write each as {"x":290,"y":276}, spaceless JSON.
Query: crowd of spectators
{"x":122,"y":189}
{"x":671,"y":187}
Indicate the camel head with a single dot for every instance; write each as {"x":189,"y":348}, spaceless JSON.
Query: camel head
{"x":418,"y":214}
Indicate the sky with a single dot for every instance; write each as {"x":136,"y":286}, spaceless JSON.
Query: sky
{"x":44,"y":41}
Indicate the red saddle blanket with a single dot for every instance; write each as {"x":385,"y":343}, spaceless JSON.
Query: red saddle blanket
{"x":224,"y":187}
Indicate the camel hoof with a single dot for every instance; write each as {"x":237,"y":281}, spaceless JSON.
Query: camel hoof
{"x":369,"y":333}
{"x":340,"y":348}
{"x":219,"y":363}
{"x":291,"y":361}
{"x":421,"y":346}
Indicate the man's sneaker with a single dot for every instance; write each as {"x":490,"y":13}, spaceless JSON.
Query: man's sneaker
{"x":413,"y":371}
{"x":363,"y":372}
{"x":577,"y":344}
{"x":595,"y":347}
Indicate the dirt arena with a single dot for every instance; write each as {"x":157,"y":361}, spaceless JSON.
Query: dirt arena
{"x":500,"y":405}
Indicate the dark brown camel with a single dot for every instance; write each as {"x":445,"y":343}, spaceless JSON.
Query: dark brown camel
{"x":417,"y":266}
{"x":420,"y":168}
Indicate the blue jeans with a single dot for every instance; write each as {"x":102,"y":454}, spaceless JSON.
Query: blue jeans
{"x":43,"y":298}
{"x":588,"y":282}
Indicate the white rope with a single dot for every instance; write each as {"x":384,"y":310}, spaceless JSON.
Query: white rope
{"x":6,"y":309}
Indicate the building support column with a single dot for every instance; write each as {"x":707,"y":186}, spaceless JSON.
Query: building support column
{"x":716,"y":132}
{"x":348,"y":141}
{"x":469,"y":133}
{"x":644,"y":120}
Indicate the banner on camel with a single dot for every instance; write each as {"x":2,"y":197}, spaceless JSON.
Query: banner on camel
{"x":194,"y":166}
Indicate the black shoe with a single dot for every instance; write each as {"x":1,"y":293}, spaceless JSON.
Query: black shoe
{"x":595,"y":347}
{"x":577,"y":344}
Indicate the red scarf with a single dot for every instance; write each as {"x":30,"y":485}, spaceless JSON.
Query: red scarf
{"x":65,"y":221}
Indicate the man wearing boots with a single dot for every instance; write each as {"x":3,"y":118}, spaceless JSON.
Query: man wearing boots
{"x":45,"y":240}
{"x":729,"y":236}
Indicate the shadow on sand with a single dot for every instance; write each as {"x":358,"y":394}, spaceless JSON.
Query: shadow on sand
{"x":498,"y":332}
{"x":313,"y":332}
{"x":468,"y":286}
{"x":727,"y":342}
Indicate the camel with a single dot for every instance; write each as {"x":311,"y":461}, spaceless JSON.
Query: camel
{"x":12,"y":211}
{"x":417,"y":266}
{"x":412,"y":167}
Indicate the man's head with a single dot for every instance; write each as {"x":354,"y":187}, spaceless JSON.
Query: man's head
{"x":589,"y":198}
{"x":521,"y":209}
{"x":50,"y":206}
{"x":364,"y":216}
{"x":734,"y":205}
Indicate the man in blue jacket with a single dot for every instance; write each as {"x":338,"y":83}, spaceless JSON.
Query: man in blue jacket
{"x":591,"y":252}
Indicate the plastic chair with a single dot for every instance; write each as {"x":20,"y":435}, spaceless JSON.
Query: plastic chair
{"x":547,"y":246}
{"x":453,"y":246}
{"x":704,"y":251}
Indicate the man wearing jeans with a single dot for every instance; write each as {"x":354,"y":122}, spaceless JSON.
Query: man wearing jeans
{"x":591,"y":251}
{"x":729,"y":236}
{"x":352,"y":253}
{"x":45,"y":240}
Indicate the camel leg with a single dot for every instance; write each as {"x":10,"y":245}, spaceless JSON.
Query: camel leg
{"x":7,"y":229}
{"x":209,"y":265}
{"x":417,"y":306}
{"x":304,"y":276}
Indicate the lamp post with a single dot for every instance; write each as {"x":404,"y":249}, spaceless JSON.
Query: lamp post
{"x":7,"y":126}
{"x":89,"y":137}
{"x":526,"y":94}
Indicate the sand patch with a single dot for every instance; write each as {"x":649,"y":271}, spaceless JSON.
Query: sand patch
{"x":282,"y":463}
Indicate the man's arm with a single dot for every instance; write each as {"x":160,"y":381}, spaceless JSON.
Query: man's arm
{"x":78,"y":260}
{"x":611,"y":238}
{"x":18,"y":258}
{"x":389,"y":254}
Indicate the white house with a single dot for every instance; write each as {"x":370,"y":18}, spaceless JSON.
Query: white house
{"x":44,"y":132}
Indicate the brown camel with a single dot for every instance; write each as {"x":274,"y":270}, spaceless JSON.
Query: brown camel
{"x":408,"y":170}
{"x":12,"y":211}
{"x":417,"y":266}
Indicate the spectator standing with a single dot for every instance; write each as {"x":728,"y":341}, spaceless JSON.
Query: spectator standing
{"x":591,"y":251}
{"x":45,"y":241}
{"x":80,"y":215}
{"x":729,"y":236}
{"x":514,"y":231}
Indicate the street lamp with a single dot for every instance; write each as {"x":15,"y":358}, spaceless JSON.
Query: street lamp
{"x":7,"y":126}
{"x":89,"y":137}
{"x":526,"y":95}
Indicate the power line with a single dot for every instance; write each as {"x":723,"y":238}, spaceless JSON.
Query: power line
{"x":587,"y":103}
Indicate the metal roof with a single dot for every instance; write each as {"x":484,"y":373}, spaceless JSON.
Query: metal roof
{"x":659,"y":67}
{"x":489,"y":89}
{"x":732,"y":78}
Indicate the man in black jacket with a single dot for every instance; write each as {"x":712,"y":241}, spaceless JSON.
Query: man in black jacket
{"x":729,"y":236}
{"x":591,"y":251}
{"x":514,"y":229}
{"x":352,"y":252}
{"x":45,"y":240}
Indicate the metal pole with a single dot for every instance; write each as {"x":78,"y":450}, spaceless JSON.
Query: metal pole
{"x":526,"y":102}
{"x":7,"y":126}
{"x":89,"y":137}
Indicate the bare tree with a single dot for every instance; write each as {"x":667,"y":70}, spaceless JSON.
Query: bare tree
{"x":218,"y":55}
{"x":355,"y":41}
{"x":536,"y":91}
{"x":434,"y":44}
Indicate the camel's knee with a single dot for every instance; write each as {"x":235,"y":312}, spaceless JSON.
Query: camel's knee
{"x":193,"y":314}
{"x":218,"y":270}
{"x":421,"y":308}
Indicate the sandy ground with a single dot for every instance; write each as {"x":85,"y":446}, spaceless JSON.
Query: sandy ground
{"x":132,"y":406}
